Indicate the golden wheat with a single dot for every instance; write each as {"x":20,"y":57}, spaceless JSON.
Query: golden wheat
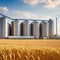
{"x":11,"y":49}
{"x":29,"y":54}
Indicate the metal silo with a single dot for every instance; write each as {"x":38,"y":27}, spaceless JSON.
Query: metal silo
{"x":51,"y":28}
{"x":45,"y":29}
{"x":15,"y":28}
{"x":27,"y":28}
{"x":4,"y":27}
{"x":36,"y":29}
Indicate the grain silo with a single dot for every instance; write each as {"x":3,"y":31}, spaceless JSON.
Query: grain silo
{"x":45,"y":29}
{"x":3,"y":27}
{"x":27,"y":28}
{"x":15,"y":28}
{"x":36,"y":29}
{"x":51,"y":28}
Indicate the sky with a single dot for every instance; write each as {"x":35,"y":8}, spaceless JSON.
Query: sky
{"x":32,"y":9}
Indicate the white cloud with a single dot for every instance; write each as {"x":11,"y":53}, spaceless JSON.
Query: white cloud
{"x":47,"y":3}
{"x":4,"y":9}
{"x":19,"y":14}
{"x":32,"y":2}
{"x":52,"y":3}
{"x":40,"y":17}
{"x":27,"y":15}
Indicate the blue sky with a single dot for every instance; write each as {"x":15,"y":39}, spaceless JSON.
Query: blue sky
{"x":36,"y":9}
{"x":30,"y":6}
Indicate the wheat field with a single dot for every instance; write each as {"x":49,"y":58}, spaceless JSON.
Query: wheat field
{"x":29,"y":49}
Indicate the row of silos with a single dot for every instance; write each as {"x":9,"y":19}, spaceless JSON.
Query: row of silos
{"x":46,"y":29}
{"x":18,"y":28}
{"x":41,"y":29}
{"x":26,"y":28}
